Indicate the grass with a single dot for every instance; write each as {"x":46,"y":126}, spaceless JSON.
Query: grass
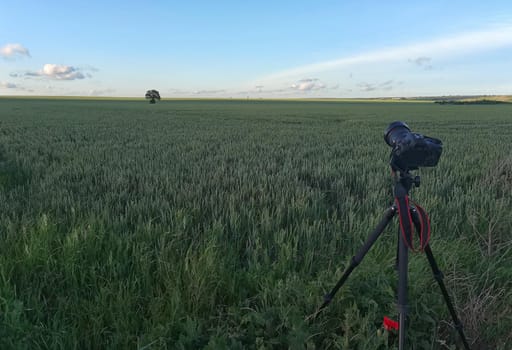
{"x":220,"y":224}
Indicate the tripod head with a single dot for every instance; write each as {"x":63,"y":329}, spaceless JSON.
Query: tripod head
{"x":404,"y":180}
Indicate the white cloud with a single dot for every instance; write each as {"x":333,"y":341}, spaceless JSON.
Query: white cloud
{"x":61,"y":72}
{"x":367,"y":87}
{"x":58,"y":72}
{"x":308,"y":85}
{"x":384,"y":86}
{"x":301,"y":86}
{"x":12,"y":51}
{"x":205,"y":92}
{"x":7,"y":85}
{"x":461,"y":44}
{"x":422,"y":62}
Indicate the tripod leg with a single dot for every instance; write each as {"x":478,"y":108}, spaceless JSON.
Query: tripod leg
{"x":403,"y":257}
{"x":356,"y":259}
{"x":397,"y":252}
{"x":438,"y":276}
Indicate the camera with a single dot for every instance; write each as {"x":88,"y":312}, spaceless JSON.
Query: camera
{"x":411,"y":150}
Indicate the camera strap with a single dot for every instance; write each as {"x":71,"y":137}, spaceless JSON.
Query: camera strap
{"x":407,"y":225}
{"x":424,"y":226}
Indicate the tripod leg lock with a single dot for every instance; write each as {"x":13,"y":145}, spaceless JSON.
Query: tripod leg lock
{"x":403,"y":309}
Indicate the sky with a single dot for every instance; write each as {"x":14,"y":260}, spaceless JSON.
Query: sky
{"x":256,"y":49}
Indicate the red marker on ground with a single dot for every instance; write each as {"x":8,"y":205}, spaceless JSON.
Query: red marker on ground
{"x":389,"y":324}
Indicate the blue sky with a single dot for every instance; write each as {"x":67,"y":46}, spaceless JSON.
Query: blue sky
{"x":255,"y":48}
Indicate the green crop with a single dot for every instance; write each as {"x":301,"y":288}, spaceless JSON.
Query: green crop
{"x":221,"y":224}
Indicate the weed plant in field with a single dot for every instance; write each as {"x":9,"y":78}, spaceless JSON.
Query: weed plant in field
{"x":220,"y":224}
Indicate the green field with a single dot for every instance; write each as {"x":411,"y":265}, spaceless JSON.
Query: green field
{"x":221,"y":224}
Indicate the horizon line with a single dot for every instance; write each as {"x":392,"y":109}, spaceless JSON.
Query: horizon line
{"x":317,"y":98}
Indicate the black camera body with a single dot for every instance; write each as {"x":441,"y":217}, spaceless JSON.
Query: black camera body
{"x":411,"y":150}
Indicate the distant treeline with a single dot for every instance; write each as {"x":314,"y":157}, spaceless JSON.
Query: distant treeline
{"x":474,"y":102}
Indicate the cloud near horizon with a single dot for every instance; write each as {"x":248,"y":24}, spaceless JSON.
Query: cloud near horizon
{"x":7,"y":85}
{"x":384,"y":86}
{"x":57,"y":72}
{"x":13,"y":51}
{"x":308,"y":85}
{"x":101,"y":92}
{"x":304,"y":85}
{"x":208,"y":92}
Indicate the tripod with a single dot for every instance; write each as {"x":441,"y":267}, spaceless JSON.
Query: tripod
{"x":409,"y":216}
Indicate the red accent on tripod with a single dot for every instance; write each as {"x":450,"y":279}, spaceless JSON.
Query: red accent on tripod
{"x":407,"y":225}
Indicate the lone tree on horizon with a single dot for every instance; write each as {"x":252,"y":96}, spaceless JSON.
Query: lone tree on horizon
{"x":151,"y":95}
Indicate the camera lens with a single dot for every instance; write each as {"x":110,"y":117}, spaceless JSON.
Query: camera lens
{"x":396,"y":131}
